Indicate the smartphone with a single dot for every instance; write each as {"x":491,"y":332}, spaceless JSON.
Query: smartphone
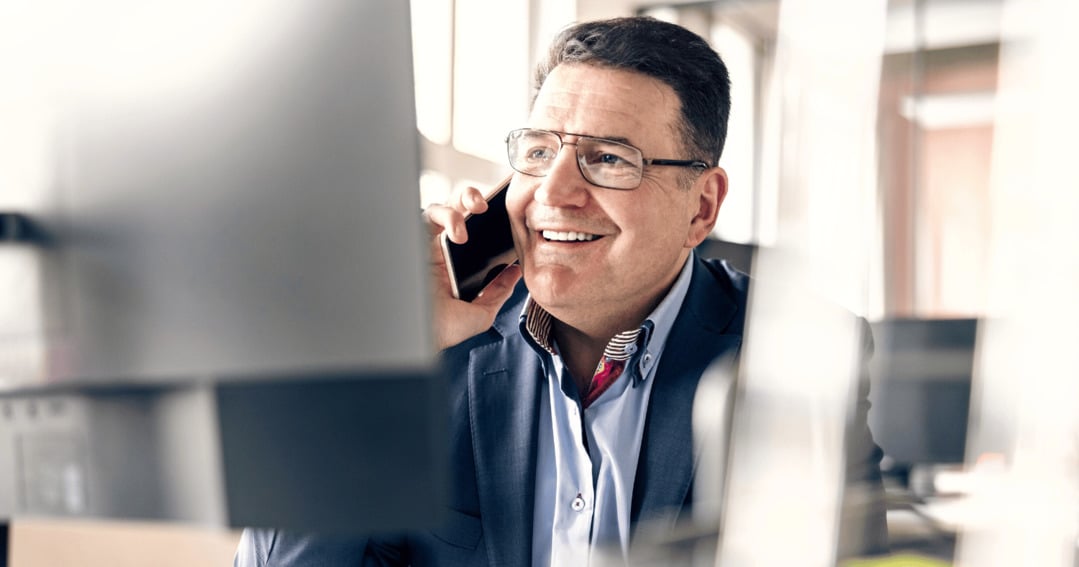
{"x":489,"y":249}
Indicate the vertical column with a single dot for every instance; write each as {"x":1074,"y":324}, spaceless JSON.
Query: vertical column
{"x":786,"y":468}
{"x":1024,"y":510}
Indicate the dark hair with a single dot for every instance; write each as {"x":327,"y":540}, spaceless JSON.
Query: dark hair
{"x":664,"y":51}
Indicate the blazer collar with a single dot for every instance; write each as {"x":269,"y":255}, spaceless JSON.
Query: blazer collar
{"x":709,"y":326}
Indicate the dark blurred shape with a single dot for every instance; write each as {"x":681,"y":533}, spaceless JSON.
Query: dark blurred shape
{"x":16,"y":228}
{"x":738,"y":255}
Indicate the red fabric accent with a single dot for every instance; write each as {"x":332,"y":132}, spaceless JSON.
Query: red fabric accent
{"x":607,"y":372}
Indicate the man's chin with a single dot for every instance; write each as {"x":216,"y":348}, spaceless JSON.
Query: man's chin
{"x":552,"y":281}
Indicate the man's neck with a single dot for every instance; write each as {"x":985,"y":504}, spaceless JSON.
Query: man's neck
{"x":580,"y":352}
{"x":581,"y":345}
{"x":583,"y":337}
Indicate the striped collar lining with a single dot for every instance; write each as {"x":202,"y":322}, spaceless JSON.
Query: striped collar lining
{"x":538,"y":323}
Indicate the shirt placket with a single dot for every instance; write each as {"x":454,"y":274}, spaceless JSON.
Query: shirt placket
{"x":575,"y":493}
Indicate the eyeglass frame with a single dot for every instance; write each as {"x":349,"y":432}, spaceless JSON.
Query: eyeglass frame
{"x":694,"y":163}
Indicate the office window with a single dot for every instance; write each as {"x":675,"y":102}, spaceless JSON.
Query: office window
{"x":744,"y":216}
{"x":738,"y":219}
{"x":491,"y":74}
{"x":473,"y":62}
{"x":432,"y":56}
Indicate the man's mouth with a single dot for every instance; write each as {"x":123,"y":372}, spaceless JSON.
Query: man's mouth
{"x":559,"y":236}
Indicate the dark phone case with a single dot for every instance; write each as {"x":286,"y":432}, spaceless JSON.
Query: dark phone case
{"x":489,"y":249}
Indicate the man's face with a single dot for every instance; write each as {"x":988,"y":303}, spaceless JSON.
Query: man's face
{"x":636,"y":241}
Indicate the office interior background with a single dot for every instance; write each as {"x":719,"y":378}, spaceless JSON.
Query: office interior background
{"x":912,"y":157}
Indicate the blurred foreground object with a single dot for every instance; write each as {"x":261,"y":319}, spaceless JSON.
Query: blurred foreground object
{"x":231,"y":306}
{"x":1025,"y":509}
{"x":786,"y":486}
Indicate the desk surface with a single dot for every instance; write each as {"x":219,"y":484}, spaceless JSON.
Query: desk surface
{"x":48,"y":543}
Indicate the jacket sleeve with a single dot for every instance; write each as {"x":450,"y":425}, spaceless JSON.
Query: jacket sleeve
{"x":276,"y":548}
{"x":863,"y":529}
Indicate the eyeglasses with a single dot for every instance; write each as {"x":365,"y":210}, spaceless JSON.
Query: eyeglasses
{"x":602,"y":162}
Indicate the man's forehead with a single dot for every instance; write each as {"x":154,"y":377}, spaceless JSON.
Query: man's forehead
{"x":603,"y":102}
{"x":568,"y":83}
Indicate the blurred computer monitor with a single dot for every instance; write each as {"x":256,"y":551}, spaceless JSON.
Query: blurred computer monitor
{"x":921,"y":381}
{"x":231,"y":282}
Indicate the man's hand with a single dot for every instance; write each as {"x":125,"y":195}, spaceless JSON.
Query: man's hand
{"x":457,"y":320}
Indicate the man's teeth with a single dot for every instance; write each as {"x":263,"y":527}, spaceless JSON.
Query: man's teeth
{"x":568,"y":236}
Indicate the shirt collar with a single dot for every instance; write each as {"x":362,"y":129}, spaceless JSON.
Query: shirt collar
{"x":649,"y":338}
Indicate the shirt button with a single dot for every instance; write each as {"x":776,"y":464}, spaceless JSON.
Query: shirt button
{"x":630,"y":348}
{"x":577,"y":504}
{"x":646,"y":365}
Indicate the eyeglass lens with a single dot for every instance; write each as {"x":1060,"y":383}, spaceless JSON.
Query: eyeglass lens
{"x":602,"y":162}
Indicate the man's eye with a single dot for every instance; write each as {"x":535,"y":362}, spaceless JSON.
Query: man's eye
{"x":609,"y":160}
{"x":540,"y":153}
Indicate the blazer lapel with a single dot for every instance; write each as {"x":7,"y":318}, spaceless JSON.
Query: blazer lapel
{"x":706,"y":329}
{"x":504,"y":385}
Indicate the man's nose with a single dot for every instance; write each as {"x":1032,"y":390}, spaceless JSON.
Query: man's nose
{"x":564,"y":185}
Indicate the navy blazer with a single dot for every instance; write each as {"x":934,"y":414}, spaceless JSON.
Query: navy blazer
{"x":494,"y":395}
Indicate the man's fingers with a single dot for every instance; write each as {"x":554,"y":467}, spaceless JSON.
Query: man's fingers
{"x":472,"y":201}
{"x":499,"y":290}
{"x":450,"y":217}
{"x":442,"y":218}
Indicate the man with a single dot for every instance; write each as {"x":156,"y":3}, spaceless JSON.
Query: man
{"x":571,"y":395}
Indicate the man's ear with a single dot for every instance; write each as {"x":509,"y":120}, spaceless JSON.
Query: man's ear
{"x":711,"y":187}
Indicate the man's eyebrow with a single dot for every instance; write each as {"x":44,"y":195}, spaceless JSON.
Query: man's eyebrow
{"x":619,"y":139}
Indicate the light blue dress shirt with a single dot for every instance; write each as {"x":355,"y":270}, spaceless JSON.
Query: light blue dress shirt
{"x":584,"y":490}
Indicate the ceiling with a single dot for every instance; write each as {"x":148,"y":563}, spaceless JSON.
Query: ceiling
{"x":944,"y":23}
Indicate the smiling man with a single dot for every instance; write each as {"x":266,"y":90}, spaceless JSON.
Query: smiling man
{"x":601,"y":237}
{"x":572,"y":391}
